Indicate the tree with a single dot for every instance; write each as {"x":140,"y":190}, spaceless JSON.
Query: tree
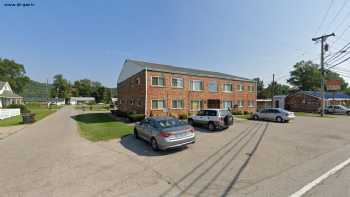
{"x":259,"y":87}
{"x":60,"y":87}
{"x":307,"y":76}
{"x":13,"y":73}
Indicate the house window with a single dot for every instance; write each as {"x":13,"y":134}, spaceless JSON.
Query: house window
{"x":177,"y":82}
{"x":196,"y":105}
{"x":227,"y":87}
{"x":213,"y":86}
{"x":158,"y":104}
{"x":196,"y":85}
{"x":178,"y":104}
{"x":138,"y":81}
{"x":240,"y":87}
{"x":250,"y":88}
{"x":158,"y":81}
{"x":251,"y":103}
{"x":140,"y":102}
{"x":131,"y":101}
{"x":240,"y":103}
{"x":227,"y":104}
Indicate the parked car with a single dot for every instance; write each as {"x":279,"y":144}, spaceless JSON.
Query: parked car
{"x":212,"y":118}
{"x":165,"y":132}
{"x":337,"y":109}
{"x":274,"y":114}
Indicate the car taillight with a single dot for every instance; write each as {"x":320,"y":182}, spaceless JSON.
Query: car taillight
{"x":165,"y":134}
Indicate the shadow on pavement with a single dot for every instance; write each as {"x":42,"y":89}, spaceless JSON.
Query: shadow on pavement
{"x":143,"y":148}
{"x":90,"y":118}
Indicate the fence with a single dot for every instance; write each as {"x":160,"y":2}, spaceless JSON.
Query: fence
{"x":7,"y":113}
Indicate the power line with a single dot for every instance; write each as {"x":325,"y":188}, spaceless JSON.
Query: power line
{"x":344,"y":60}
{"x":342,"y":21}
{"x":338,"y":53}
{"x":324,"y":17}
{"x":337,"y":14}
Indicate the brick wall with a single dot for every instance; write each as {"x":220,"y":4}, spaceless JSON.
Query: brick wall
{"x":131,"y":94}
{"x":168,"y":93}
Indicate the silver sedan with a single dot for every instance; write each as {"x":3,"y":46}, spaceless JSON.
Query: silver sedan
{"x":274,"y":114}
{"x":165,"y":132}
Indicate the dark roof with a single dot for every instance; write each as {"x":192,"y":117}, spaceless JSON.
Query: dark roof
{"x":2,"y":84}
{"x":9,"y":94}
{"x":328,"y":95}
{"x":183,"y":70}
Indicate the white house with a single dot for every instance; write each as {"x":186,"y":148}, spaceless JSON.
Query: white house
{"x":7,"y":96}
{"x":81,"y":100}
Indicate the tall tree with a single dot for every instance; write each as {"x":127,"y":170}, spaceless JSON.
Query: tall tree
{"x":13,"y":73}
{"x":259,"y":87}
{"x":307,"y":76}
{"x":60,"y":87}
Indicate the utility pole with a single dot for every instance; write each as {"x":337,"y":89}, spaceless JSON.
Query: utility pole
{"x":323,"y":39}
{"x":273,"y":90}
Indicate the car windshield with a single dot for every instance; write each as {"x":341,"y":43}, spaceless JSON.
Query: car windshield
{"x":168,"y":123}
{"x":283,"y":110}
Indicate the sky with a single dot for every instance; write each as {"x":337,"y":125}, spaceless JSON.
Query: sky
{"x":92,"y":39}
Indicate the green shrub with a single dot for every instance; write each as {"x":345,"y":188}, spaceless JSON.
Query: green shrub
{"x":237,"y":113}
{"x":136,"y":117}
{"x":246,"y":112}
{"x":23,"y":108}
{"x":182,"y":116}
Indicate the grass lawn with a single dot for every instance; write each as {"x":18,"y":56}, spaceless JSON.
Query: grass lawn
{"x":41,"y":111}
{"x":95,"y":107}
{"x":100,"y":126}
{"x":313,"y":115}
{"x":245,"y":116}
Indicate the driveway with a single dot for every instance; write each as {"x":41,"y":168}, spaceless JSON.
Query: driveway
{"x":49,"y":158}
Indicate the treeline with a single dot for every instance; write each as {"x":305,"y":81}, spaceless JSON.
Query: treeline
{"x":305,"y":75}
{"x":62,"y":88}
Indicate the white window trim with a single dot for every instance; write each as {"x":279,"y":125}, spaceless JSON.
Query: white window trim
{"x":223,"y":88}
{"x":177,"y":86}
{"x":192,"y":110}
{"x":192,"y":84}
{"x":251,"y":102}
{"x":251,"y":88}
{"x":240,"y":104}
{"x":241,"y":88}
{"x":227,"y":101}
{"x":158,"y":100}
{"x":183,"y":103}
{"x":216,"y":83}
{"x":157,"y":85}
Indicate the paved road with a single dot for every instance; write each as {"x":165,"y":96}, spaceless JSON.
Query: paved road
{"x":49,"y":158}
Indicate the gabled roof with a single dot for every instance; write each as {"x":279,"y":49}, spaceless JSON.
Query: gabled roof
{"x":9,"y":94}
{"x":2,"y":84}
{"x":328,"y":95}
{"x":189,"y":71}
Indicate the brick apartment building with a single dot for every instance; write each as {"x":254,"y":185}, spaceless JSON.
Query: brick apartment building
{"x":157,"y":89}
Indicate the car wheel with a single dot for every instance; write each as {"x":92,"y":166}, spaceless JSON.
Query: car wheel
{"x":211,"y":126}
{"x":255,"y":117}
{"x":136,"y":134}
{"x":190,"y":122}
{"x":348,"y":113}
{"x":154,"y":145}
{"x":279,"y":119}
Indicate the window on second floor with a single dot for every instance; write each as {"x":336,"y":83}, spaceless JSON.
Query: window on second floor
{"x":213,"y":86}
{"x":251,"y":88}
{"x":227,"y":87}
{"x":158,"y":81}
{"x":240,"y":87}
{"x":196,"y":85}
{"x":177,"y":82}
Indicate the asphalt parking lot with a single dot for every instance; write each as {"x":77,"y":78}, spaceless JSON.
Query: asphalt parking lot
{"x":251,"y":158}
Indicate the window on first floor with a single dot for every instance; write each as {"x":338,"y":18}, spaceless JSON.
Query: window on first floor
{"x":227,"y":104}
{"x":178,"y":104}
{"x":196,"y":85}
{"x":196,"y":105}
{"x":158,"y":81}
{"x":158,"y":104}
{"x":240,"y":103}
{"x":251,"y":103}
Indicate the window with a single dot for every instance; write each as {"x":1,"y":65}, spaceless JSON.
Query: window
{"x":227,"y":87}
{"x":213,"y":86}
{"x":250,"y":88}
{"x":211,"y":113}
{"x":240,"y":87}
{"x":196,"y":105}
{"x":177,"y":83}
{"x":131,"y":101}
{"x":178,"y":104}
{"x":158,"y":104}
{"x":158,"y":81}
{"x":196,"y":85}
{"x":240,"y":103}
{"x":251,"y":103}
{"x":227,"y":104}
{"x":138,"y":81}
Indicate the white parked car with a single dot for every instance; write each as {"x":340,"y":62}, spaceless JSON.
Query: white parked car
{"x":212,"y":118}
{"x":337,"y":109}
{"x":274,"y":114}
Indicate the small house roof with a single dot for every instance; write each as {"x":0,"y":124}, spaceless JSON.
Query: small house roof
{"x":328,"y":95}
{"x":9,"y":94}
{"x":2,"y":84}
